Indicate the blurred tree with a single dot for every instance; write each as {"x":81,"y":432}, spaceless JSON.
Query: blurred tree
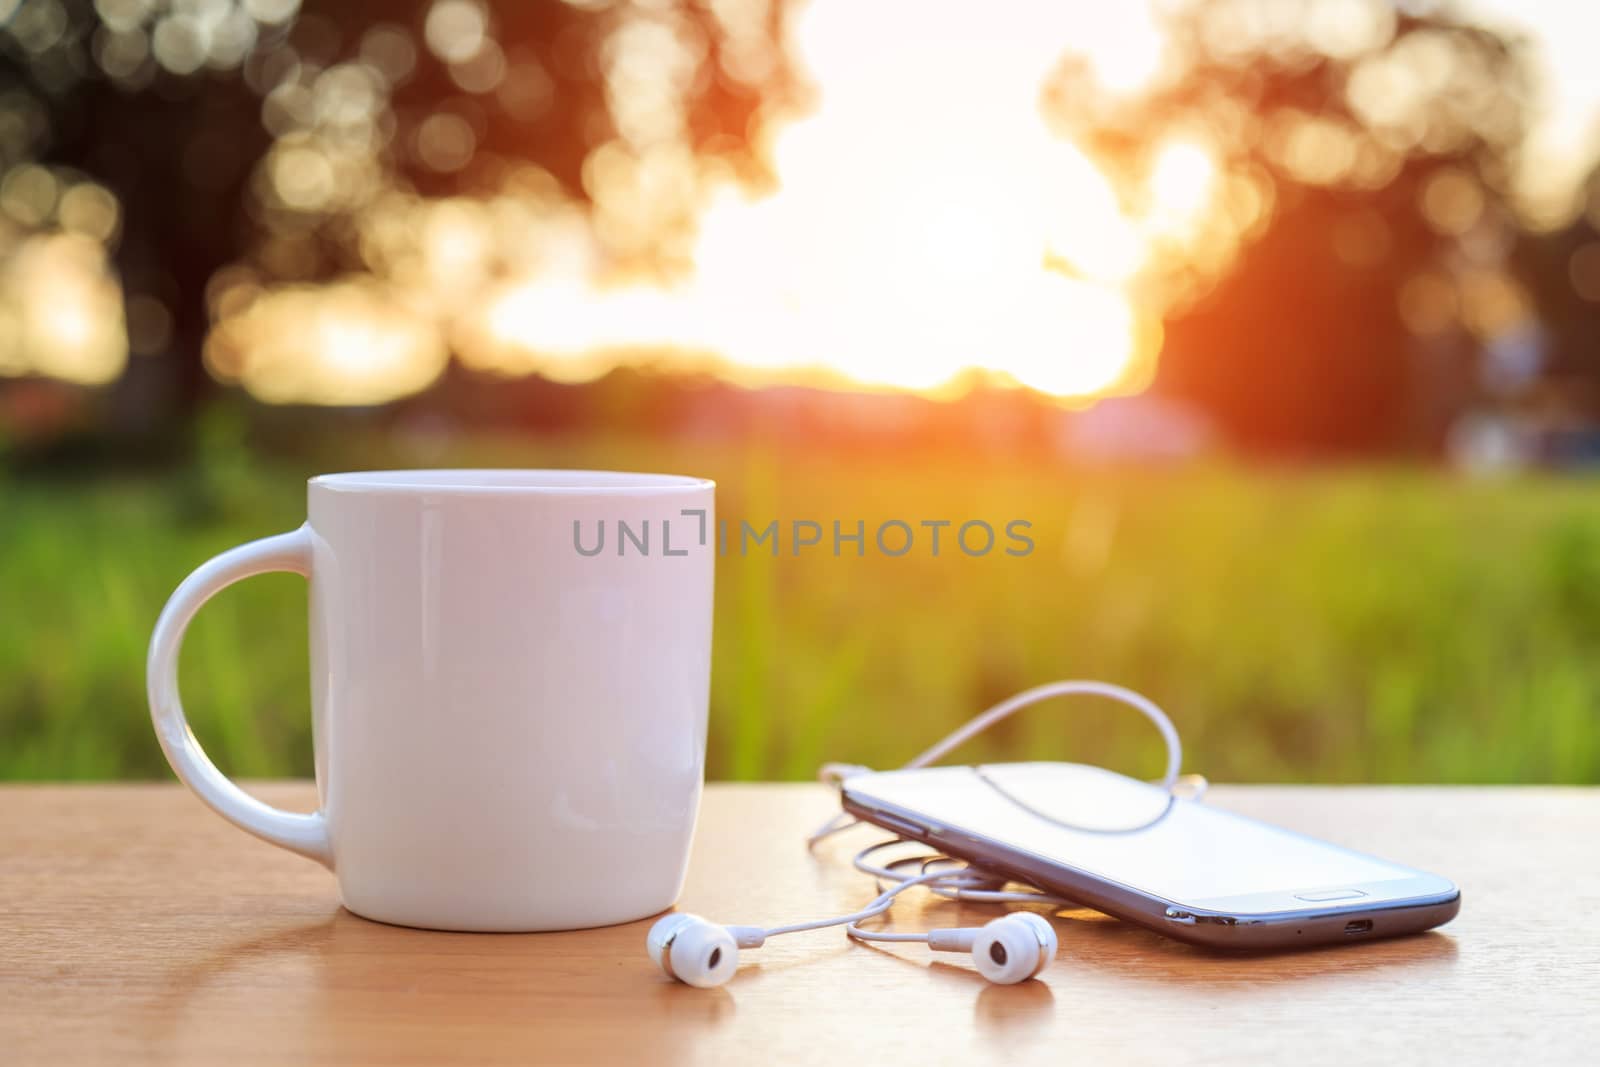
{"x":251,"y":132}
{"x":1340,"y":294}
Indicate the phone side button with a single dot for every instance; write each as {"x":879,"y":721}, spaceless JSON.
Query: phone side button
{"x":904,"y":827}
{"x":1330,"y":894}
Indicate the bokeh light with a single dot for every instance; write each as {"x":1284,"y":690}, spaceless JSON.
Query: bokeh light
{"x":61,"y":311}
{"x":349,"y":343}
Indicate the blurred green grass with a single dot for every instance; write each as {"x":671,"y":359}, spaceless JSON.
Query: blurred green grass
{"x":1389,"y":625}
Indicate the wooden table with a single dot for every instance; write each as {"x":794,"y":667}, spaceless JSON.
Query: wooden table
{"x":135,"y":926}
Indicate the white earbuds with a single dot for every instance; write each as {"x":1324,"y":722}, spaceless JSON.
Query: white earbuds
{"x":1011,"y":949}
{"x":698,"y":951}
{"x":1014,"y":948}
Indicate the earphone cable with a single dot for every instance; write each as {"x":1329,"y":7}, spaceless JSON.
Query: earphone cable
{"x":879,"y":905}
{"x":836,"y":773}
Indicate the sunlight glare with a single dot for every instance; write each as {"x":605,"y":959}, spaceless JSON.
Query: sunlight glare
{"x":921,"y":215}
{"x":1123,"y":45}
{"x":1181,"y":182}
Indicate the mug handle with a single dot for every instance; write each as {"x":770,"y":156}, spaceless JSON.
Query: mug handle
{"x":306,"y":835}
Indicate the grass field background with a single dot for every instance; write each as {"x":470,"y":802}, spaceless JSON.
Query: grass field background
{"x":1390,"y":625}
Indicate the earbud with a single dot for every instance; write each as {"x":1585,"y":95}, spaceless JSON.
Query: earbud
{"x":1011,"y":949}
{"x":698,"y":951}
{"x":693,"y":950}
{"x":1014,"y":948}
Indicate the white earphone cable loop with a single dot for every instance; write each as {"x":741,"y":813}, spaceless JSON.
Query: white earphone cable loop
{"x":1075,"y":687}
{"x":834,"y":773}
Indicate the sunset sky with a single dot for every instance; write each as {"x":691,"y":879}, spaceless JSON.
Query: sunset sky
{"x":919,"y":207}
{"x":926,"y":229}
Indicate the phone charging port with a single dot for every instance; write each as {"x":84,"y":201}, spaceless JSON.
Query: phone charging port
{"x":1359,"y":926}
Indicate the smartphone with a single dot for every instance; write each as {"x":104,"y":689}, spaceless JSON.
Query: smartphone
{"x":1177,"y":866}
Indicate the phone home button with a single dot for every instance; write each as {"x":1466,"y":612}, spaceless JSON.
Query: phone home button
{"x":1330,"y":894}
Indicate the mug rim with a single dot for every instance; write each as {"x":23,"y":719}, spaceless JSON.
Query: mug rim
{"x":554,"y":481}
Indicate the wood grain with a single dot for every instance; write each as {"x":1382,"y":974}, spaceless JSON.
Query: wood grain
{"x":137,"y":927}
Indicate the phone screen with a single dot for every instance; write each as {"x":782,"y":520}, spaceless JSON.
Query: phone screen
{"x":1131,"y":833}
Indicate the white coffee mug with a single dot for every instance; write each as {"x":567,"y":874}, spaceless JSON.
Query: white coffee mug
{"x":509,"y":675}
